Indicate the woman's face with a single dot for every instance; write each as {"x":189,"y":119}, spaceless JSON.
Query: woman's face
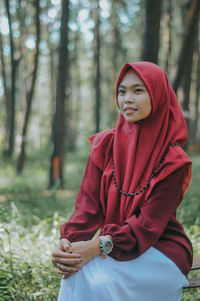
{"x":133,"y":98}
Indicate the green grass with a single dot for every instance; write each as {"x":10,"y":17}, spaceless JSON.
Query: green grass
{"x":189,"y":209}
{"x":31,"y":217}
{"x":29,"y":191}
{"x":29,"y":230}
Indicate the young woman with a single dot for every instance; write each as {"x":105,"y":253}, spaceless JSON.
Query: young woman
{"x":135,"y":179}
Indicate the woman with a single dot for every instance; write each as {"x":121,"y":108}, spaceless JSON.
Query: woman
{"x":135,"y":179}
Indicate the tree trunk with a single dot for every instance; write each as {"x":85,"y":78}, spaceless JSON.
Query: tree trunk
{"x":187,"y":85}
{"x":188,"y":41}
{"x":9,"y":147}
{"x":113,"y":112}
{"x":97,"y":65}
{"x":21,"y":14}
{"x":116,"y":48}
{"x":30,"y":93}
{"x":168,"y":35}
{"x":75,"y":105}
{"x":52,"y":77}
{"x":193,"y":138}
{"x":197,"y":93}
{"x":3,"y":65}
{"x":153,"y":9}
{"x":6,"y":94}
{"x":59,"y":124}
{"x":183,"y":79}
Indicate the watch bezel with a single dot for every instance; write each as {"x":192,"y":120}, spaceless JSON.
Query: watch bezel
{"x":103,"y":249}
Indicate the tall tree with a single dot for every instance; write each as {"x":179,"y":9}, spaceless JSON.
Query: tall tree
{"x":75,"y":92}
{"x":6,"y":90}
{"x":24,"y":54}
{"x":96,"y":13}
{"x":153,"y":9}
{"x":52,"y":67}
{"x":167,"y":35}
{"x":197,"y":90}
{"x":193,"y":137}
{"x":185,"y":63}
{"x":10,"y":131}
{"x":59,"y":124}
{"x":116,"y":49}
{"x":30,"y":92}
{"x":187,"y":46}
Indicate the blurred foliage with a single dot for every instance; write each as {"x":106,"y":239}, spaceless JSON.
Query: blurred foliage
{"x":26,"y":271}
{"x":29,"y":229}
{"x":188,"y":212}
{"x":30,"y":221}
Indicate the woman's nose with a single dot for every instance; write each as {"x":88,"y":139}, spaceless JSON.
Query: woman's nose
{"x":129,"y":98}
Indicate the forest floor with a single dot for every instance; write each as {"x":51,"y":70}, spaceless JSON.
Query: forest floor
{"x":30,"y":218}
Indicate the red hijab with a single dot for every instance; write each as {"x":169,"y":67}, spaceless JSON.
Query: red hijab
{"x":137,"y":149}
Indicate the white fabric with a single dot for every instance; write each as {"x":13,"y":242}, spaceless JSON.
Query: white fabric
{"x":151,"y":277}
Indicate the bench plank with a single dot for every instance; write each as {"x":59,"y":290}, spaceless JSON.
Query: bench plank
{"x":195,"y":281}
{"x":196,"y":263}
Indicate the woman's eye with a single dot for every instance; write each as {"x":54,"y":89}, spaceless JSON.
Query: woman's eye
{"x":138,"y":90}
{"x":121,"y":91}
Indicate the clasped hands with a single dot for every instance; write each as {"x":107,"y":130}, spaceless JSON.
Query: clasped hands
{"x":68,"y":258}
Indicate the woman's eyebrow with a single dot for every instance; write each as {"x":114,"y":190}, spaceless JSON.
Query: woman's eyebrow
{"x":135,"y":85}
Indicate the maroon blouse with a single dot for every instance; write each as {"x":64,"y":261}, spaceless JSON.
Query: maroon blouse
{"x":154,"y":224}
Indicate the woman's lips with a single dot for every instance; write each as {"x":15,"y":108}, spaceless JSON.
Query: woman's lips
{"x":130,"y":110}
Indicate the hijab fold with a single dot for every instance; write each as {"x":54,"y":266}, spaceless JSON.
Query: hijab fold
{"x":138,"y":148}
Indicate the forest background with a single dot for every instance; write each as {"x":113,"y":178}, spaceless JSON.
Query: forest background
{"x":59,"y":61}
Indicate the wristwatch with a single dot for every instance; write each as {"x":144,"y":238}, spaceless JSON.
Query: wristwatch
{"x":106,"y":245}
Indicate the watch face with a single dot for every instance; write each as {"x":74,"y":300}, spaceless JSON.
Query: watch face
{"x":108,"y":246}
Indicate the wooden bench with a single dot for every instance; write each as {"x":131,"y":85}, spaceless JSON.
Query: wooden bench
{"x":194,"y":281}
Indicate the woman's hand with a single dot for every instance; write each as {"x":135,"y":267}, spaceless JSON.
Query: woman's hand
{"x":64,"y":245}
{"x":68,"y":258}
{"x":64,"y":260}
{"x":87,"y":250}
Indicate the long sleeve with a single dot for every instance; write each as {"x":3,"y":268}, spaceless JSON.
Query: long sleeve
{"x":87,"y":216}
{"x":142,"y":231}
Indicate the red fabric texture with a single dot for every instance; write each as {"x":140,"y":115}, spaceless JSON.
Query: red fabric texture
{"x":154,"y":224}
{"x":138,"y":148}
{"x":148,"y":219}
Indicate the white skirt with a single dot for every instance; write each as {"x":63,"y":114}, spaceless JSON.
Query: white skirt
{"x":150,"y":277}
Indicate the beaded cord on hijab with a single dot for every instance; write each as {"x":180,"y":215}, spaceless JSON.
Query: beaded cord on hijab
{"x":139,"y":149}
{"x":151,"y":177}
{"x":154,"y":172}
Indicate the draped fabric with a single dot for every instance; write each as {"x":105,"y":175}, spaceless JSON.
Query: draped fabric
{"x":152,"y":276}
{"x":137,"y":148}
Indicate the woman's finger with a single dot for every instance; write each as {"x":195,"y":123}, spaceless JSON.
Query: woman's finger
{"x":63,"y":269}
{"x":65,"y":245}
{"x":66,"y":261}
{"x":67,"y":274}
{"x":59,"y":253}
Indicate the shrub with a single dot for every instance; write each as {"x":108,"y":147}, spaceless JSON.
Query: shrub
{"x":26,"y":271}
